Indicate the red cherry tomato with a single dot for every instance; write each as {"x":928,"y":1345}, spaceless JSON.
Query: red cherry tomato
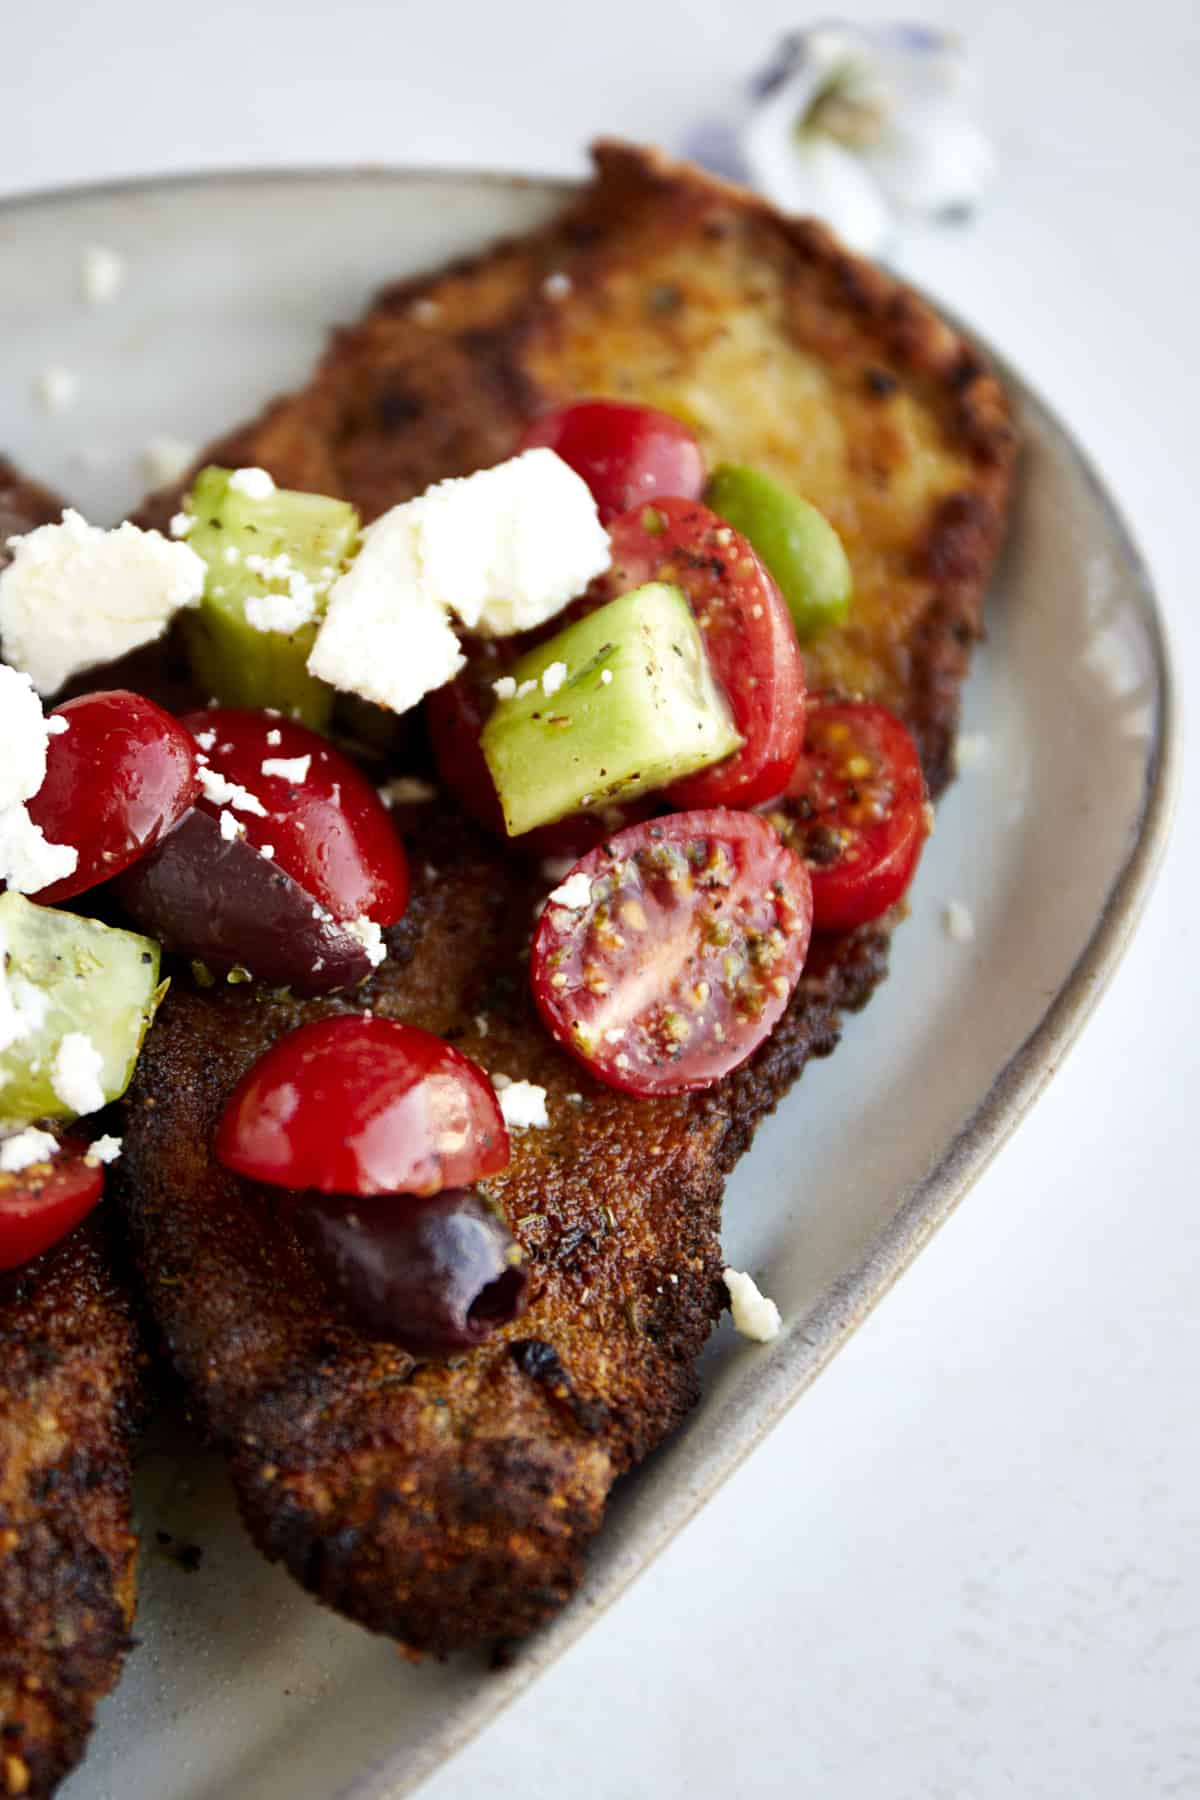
{"x":749,"y":633}
{"x":359,"y":1105}
{"x":327,"y":826}
{"x":627,"y":454}
{"x":120,"y":776}
{"x":39,"y":1205}
{"x":455,"y":716}
{"x":855,"y":810}
{"x":683,"y":957}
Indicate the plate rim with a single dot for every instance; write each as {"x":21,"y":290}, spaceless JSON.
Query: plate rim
{"x":1017,"y":1087}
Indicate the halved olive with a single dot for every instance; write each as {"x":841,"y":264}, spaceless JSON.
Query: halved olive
{"x":225,"y":904}
{"x":435,"y":1273}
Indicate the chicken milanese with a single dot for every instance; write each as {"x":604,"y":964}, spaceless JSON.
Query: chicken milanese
{"x":69,"y":1392}
{"x":449,"y":1503}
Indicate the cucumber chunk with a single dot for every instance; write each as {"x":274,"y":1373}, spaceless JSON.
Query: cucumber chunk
{"x":271,"y":558}
{"x":798,"y":544}
{"x":620,"y":703}
{"x":61,"y":974}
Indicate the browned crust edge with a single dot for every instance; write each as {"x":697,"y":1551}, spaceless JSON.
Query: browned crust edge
{"x":70,"y":1405}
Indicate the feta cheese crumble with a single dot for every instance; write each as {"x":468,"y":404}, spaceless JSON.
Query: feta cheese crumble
{"x":407,"y":790}
{"x":28,"y":860}
{"x":75,"y":1073}
{"x":222,"y":792}
{"x":553,"y":677}
{"x":386,"y":636}
{"x":523,"y":1103}
{"x":101,"y":274}
{"x":575,"y":893}
{"x":57,"y":388}
{"x":256,"y":484}
{"x":25,"y":1149}
{"x":504,"y":687}
{"x":104,"y":1149}
{"x":288,"y":768}
{"x":970,"y":749}
{"x":506,"y":548}
{"x":370,"y":936}
{"x":74,"y":596}
{"x":230,"y":829}
{"x":754,"y":1315}
{"x":167,"y":459}
{"x":957,"y":921}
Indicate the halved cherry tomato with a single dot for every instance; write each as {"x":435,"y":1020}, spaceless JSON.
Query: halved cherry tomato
{"x":327,"y":826}
{"x":455,"y":716}
{"x":682,"y":956}
{"x":855,"y":810}
{"x":117,"y":779}
{"x":627,"y":454}
{"x":360,"y":1105}
{"x":41,"y":1204}
{"x":748,"y":631}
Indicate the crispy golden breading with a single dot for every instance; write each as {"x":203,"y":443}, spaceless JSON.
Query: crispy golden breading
{"x":69,"y":1388}
{"x":450,"y":1503}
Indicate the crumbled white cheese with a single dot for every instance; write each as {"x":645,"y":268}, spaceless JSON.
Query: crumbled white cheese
{"x":957,"y":921}
{"x":557,"y":286}
{"x":181,"y":524}
{"x":606,"y":676}
{"x":575,"y":893}
{"x":75,"y":1073}
{"x":526,"y":687}
{"x":267,"y":850}
{"x":101,"y":274}
{"x":754,"y":1315}
{"x":287,"y":613}
{"x":504,"y":687}
{"x":553,"y":677}
{"x":56,"y":725}
{"x":25,"y":1149}
{"x":256,"y":484}
{"x":206,"y":739}
{"x":970,"y":749}
{"x":275,"y":737}
{"x":407,"y":790}
{"x":288,"y":768}
{"x":104,"y":1149}
{"x":165,"y":460}
{"x":508,"y":547}
{"x":222,"y":792}
{"x":523,"y":1103}
{"x":74,"y":596}
{"x":386,"y":636}
{"x":230,"y":829}
{"x":57,"y":388}
{"x":28,"y":861}
{"x":370,"y":936}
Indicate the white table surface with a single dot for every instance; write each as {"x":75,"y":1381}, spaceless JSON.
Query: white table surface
{"x":968,"y":1563}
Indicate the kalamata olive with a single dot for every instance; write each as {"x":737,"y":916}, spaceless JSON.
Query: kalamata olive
{"x":227,"y":905}
{"x":431,"y":1274}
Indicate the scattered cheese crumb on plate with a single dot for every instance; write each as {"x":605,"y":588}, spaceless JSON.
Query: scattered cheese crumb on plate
{"x":754,"y":1315}
{"x":101,"y":274}
{"x":957,"y":920}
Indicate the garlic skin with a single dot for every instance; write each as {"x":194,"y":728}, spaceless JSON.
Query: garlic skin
{"x":863,"y":127}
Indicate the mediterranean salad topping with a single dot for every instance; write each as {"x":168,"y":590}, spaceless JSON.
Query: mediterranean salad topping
{"x":612,"y":684}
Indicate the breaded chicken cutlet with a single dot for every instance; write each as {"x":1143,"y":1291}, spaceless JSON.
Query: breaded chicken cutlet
{"x":449,"y":1503}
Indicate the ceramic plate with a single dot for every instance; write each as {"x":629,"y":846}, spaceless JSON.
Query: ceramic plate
{"x":241,"y":1684}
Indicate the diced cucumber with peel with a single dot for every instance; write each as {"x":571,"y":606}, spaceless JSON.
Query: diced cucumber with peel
{"x":798,"y":544}
{"x":62,"y":974}
{"x":234,"y":660}
{"x":633,"y":707}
